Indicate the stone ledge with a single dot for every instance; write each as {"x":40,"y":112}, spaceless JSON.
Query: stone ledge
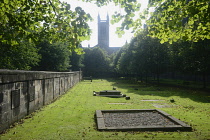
{"x":9,"y":76}
{"x":175,"y":125}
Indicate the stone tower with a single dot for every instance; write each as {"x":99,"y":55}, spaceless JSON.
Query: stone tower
{"x":103,"y":32}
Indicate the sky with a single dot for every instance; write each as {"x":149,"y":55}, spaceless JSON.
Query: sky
{"x":93,"y":10}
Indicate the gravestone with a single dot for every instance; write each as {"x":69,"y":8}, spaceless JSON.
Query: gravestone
{"x":138,"y":120}
{"x":88,"y":78}
{"x":109,"y":93}
{"x":15,"y":98}
{"x":31,"y":93}
{"x":1,"y":98}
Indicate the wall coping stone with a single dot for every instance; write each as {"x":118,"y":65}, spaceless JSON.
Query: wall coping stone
{"x":23,"y":92}
{"x":9,"y":76}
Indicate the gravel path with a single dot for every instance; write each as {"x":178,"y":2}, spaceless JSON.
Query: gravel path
{"x":135,"y":119}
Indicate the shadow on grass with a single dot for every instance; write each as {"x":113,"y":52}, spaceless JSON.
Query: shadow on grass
{"x":162,"y":90}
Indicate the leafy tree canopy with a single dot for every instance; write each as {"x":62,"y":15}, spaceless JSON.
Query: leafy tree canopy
{"x":96,"y":62}
{"x":22,"y":56}
{"x":54,"y":57}
{"x":174,"y":20}
{"x":37,"y":19}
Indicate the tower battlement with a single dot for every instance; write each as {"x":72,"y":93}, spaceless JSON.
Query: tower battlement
{"x":103,"y":32}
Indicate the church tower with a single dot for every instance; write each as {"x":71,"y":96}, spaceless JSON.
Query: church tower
{"x":103,"y":32}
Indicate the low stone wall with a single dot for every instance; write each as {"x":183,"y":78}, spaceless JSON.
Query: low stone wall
{"x":23,"y":92}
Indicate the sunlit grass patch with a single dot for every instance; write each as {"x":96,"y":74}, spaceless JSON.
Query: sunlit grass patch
{"x":72,"y":115}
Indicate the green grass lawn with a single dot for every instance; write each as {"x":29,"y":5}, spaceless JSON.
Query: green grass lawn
{"x":71,"y":117}
{"x":185,"y":84}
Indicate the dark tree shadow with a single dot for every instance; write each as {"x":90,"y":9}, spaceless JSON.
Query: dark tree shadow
{"x":162,"y":90}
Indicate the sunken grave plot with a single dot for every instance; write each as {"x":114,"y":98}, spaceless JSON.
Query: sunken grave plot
{"x":138,"y":120}
{"x":164,"y":105}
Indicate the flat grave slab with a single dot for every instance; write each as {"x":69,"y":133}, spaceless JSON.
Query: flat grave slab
{"x":164,"y":105}
{"x":109,"y":93}
{"x":138,"y":120}
{"x":119,"y":103}
{"x":151,"y":100}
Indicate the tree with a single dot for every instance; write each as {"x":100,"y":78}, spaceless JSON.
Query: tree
{"x":96,"y":62}
{"x":54,"y":57}
{"x":22,"y":56}
{"x":174,"y":20}
{"x":76,"y":61}
{"x":194,"y":59}
{"x":49,"y":19}
{"x":125,"y":62}
{"x":115,"y":58}
{"x":171,"y":21}
{"x":143,"y":56}
{"x":26,"y":23}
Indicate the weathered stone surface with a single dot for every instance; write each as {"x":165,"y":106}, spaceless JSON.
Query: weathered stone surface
{"x":119,"y":103}
{"x":127,"y":97}
{"x":62,"y":85}
{"x":151,"y":100}
{"x":56,"y":87}
{"x":164,"y":105}
{"x":15,"y":95}
{"x":141,"y":120}
{"x":22,"y":92}
{"x":1,"y":97}
{"x":108,"y":93}
{"x":49,"y":87}
{"x":39,"y":93}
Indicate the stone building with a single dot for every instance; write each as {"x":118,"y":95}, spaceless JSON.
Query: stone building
{"x":103,"y":32}
{"x":103,"y":35}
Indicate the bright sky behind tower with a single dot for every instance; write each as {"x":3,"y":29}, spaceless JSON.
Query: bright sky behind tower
{"x":93,"y":10}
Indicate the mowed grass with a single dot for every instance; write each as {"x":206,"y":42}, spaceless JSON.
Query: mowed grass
{"x":71,"y":117}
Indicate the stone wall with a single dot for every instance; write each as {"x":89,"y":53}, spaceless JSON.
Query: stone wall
{"x":23,"y":92}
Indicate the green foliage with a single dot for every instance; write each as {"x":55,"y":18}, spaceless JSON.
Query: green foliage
{"x":175,"y":20}
{"x":54,"y":57}
{"x":55,"y":21}
{"x":96,"y":62}
{"x":172,"y":20}
{"x":125,"y":62}
{"x":145,"y":56}
{"x":72,"y":115}
{"x":31,"y":22}
{"x":191,"y":57}
{"x":116,"y":57}
{"x":76,"y":61}
{"x":142,"y":56}
{"x":49,"y":19}
{"x":22,"y":56}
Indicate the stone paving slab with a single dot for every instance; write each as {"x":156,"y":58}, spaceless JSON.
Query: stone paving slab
{"x":119,"y":103}
{"x":151,"y":100}
{"x":164,"y":105}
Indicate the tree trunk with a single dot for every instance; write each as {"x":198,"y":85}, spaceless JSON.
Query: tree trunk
{"x":204,"y":80}
{"x":158,"y":78}
{"x":146,"y":78}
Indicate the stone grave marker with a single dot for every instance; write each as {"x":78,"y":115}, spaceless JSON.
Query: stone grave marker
{"x":138,"y":120}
